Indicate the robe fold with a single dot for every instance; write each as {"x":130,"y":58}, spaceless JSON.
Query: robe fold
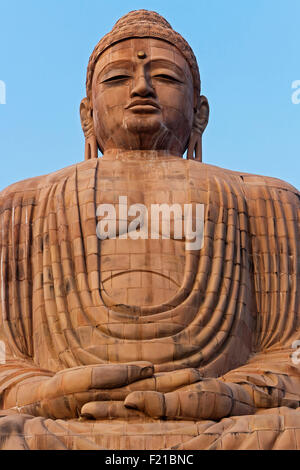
{"x":234,"y":314}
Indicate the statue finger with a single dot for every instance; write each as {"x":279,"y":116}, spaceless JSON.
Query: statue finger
{"x":162,"y":382}
{"x":151,"y":403}
{"x":173,"y":380}
{"x":118,"y":375}
{"x":108,"y":410}
{"x":63,"y":406}
{"x":243,"y":403}
{"x":181,"y":404}
{"x":170,"y":381}
{"x":106,"y":376}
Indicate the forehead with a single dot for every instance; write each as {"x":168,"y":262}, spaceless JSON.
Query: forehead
{"x":154,"y":49}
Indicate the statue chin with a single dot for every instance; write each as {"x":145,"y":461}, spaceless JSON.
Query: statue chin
{"x":139,"y":124}
{"x":143,"y":133}
{"x":152,"y":133}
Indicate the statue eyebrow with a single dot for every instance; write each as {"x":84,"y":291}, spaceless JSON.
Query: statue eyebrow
{"x":169,"y":64}
{"x":112,"y":65}
{"x":162,"y":62}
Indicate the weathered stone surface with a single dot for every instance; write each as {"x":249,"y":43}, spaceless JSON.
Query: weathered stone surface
{"x":142,"y":343}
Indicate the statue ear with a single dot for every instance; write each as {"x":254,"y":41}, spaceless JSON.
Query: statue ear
{"x":91,"y":147}
{"x":200,"y":122}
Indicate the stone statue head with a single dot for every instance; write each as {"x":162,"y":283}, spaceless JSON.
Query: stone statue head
{"x":143,"y":90}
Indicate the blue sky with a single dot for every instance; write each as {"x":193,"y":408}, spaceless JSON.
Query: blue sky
{"x":248,"y":54}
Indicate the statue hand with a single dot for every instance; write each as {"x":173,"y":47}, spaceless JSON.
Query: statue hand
{"x":209,"y":399}
{"x":64,"y":394}
{"x":111,"y":403}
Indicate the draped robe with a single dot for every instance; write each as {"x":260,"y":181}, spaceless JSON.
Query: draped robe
{"x":233,"y":313}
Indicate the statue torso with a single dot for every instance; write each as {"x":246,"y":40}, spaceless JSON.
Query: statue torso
{"x":122,"y":300}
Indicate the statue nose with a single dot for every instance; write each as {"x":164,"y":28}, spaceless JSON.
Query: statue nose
{"x":142,"y":88}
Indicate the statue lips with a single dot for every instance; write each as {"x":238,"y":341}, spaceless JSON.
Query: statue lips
{"x":143,"y":106}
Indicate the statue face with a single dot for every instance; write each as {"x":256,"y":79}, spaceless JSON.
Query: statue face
{"x":143,"y":97}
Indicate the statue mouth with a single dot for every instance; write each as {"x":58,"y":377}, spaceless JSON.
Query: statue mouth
{"x":143,"y":106}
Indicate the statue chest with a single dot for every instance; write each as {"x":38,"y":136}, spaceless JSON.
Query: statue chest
{"x":145,"y":221}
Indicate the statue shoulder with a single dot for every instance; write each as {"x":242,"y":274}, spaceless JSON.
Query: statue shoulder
{"x":279,"y":188}
{"x":30,"y":187}
{"x":251,"y":183}
{"x":268,"y":181}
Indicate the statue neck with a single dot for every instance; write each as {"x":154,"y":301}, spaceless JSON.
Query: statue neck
{"x":119,"y":154}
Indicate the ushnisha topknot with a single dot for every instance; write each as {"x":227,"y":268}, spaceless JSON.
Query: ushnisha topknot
{"x":142,"y":24}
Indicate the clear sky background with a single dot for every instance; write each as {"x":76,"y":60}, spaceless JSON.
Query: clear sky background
{"x":248,"y":53}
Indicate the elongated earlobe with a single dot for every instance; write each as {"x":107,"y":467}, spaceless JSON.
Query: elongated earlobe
{"x":195,"y":146}
{"x":200,"y":122}
{"x":91,"y":146}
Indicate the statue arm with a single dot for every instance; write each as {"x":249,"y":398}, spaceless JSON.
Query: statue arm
{"x":16,"y":349}
{"x":272,"y":375}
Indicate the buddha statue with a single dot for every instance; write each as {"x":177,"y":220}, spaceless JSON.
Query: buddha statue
{"x":137,"y":342}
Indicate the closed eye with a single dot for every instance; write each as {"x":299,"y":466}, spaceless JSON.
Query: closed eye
{"x":164,"y":76}
{"x":116,"y":78}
